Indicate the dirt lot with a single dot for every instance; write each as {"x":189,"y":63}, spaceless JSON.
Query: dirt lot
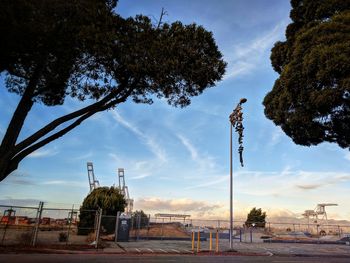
{"x":161,"y":230}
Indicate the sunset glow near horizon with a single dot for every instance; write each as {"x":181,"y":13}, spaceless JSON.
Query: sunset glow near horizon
{"x":177,"y":160}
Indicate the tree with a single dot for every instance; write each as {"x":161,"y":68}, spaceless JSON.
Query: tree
{"x":110,"y":200}
{"x":256,"y":218}
{"x":85,"y":50}
{"x":139,"y":219}
{"x":310,"y":100}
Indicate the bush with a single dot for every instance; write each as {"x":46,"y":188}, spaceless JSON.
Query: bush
{"x":25,"y":238}
{"x":139,"y":215}
{"x":62,"y":237}
{"x":110,"y":200}
{"x":256,"y":218}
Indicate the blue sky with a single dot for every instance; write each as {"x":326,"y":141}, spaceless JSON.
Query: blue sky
{"x":177,"y":160}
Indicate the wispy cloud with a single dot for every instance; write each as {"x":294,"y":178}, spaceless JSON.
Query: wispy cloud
{"x":276,"y":136}
{"x":309,"y":186}
{"x":41,"y":153}
{"x":347,"y":156}
{"x":20,"y":202}
{"x":288,"y":182}
{"x":213,"y":181}
{"x":65,"y":183}
{"x":153,"y":146}
{"x":203,"y":161}
{"x":85,"y":156}
{"x":245,"y":57}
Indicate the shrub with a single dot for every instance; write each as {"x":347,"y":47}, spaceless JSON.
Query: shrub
{"x":62,"y":237}
{"x":25,"y":238}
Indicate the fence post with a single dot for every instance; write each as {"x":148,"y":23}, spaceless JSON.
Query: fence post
{"x":138,"y":220}
{"x":217,"y":241}
{"x":5,"y":229}
{"x":240,"y":235}
{"x":148,"y":227}
{"x":162,"y":230}
{"x":198,"y":241}
{"x":295,"y":234}
{"x":70,"y":224}
{"x":37,"y":223}
{"x":192,"y":240}
{"x":210,"y":240}
{"x":251,"y":235}
{"x":116,"y":227}
{"x":98,"y":227}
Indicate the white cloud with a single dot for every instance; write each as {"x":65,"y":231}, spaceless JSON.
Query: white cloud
{"x":181,"y":205}
{"x":41,"y":153}
{"x":245,"y":57}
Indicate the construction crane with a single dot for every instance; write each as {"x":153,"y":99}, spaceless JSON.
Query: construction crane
{"x":321,"y":210}
{"x":125,"y":191}
{"x":92,"y":181}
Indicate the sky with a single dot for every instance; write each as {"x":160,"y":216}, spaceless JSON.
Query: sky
{"x":177,"y":160}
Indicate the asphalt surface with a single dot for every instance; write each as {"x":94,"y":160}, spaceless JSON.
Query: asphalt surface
{"x":104,"y":258}
{"x":264,"y":249}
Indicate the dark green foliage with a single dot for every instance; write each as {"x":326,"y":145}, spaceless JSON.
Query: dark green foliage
{"x":84,"y":49}
{"x":139,"y":219}
{"x":62,"y":237}
{"x":256,"y":217}
{"x":311,"y":98}
{"x":110,"y":200}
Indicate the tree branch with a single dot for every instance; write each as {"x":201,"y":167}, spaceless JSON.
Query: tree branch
{"x":54,"y":124}
{"x":62,"y":132}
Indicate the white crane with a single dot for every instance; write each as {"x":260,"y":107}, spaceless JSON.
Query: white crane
{"x":92,"y":181}
{"x":125,"y":191}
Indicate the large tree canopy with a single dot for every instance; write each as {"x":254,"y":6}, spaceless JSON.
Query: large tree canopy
{"x":311,"y":98}
{"x":84,"y":49}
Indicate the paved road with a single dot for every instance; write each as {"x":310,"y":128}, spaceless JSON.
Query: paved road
{"x":103,"y":258}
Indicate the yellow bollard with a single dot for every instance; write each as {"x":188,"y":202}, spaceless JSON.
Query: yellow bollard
{"x":198,"y":241}
{"x":217,"y":241}
{"x":192,"y":240}
{"x":210,"y":241}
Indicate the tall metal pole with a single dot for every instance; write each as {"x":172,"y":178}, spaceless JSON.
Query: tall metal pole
{"x":231,"y":189}
{"x":236,"y":118}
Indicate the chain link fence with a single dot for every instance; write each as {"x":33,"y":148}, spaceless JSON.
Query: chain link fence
{"x":42,"y":225}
